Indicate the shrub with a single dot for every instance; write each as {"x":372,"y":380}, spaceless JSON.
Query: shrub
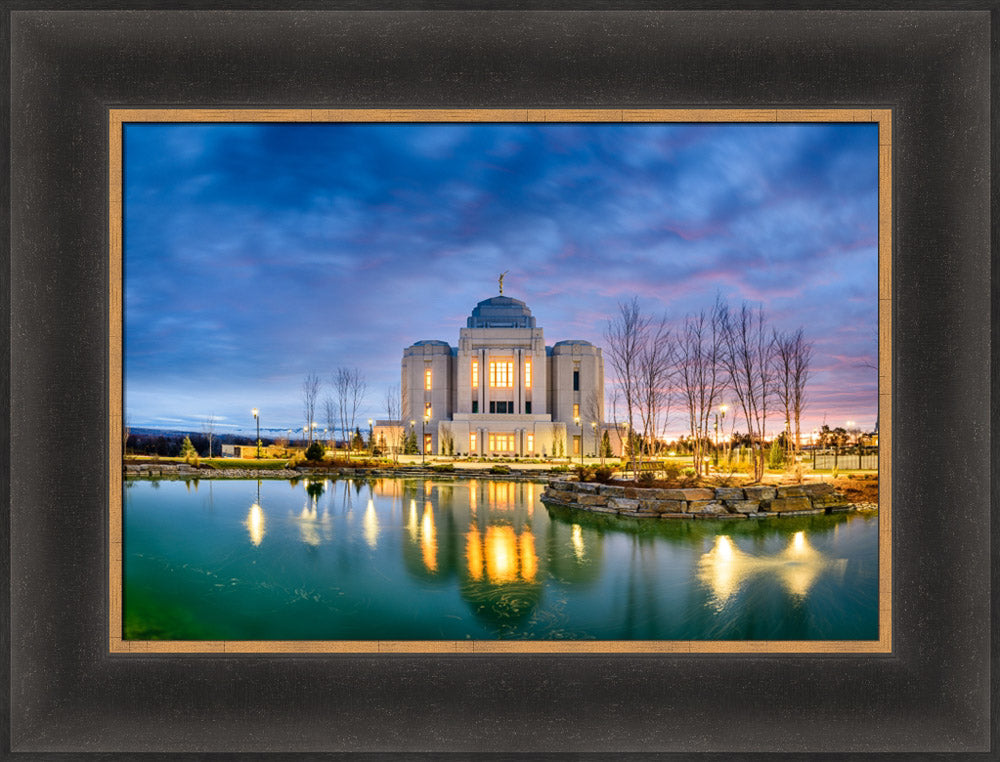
{"x":559,"y":469}
{"x":443,"y":467}
{"x":603,"y":474}
{"x":647,"y":477}
{"x":671,"y":471}
{"x":315,"y":451}
{"x":499,"y":469}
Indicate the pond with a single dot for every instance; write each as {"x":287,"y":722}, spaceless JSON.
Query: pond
{"x":402,"y":559}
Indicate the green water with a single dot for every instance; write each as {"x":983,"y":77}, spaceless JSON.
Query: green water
{"x":400,"y":559}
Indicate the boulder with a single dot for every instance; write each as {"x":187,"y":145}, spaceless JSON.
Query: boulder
{"x":793,"y":490}
{"x":817,"y":489}
{"x":592,"y":500}
{"x":698,"y":493}
{"x":728,"y":493}
{"x":707,"y":506}
{"x":673,"y":506}
{"x":650,"y":506}
{"x":760,"y":493}
{"x":586,"y":488}
{"x":676,"y":516}
{"x":743,"y":506}
{"x":560,"y":495}
{"x":785,"y":504}
{"x":611,"y":490}
{"x":623,"y":504}
{"x":675,"y":494}
{"x":833,"y":500}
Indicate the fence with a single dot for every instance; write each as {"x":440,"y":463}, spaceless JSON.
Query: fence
{"x":867,"y":461}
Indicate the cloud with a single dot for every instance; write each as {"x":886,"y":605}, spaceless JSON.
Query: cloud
{"x":257,"y":253}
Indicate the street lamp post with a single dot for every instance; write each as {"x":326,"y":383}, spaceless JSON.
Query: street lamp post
{"x":256,"y":417}
{"x":423,"y":439}
{"x":580,"y":426}
{"x":722,"y":416}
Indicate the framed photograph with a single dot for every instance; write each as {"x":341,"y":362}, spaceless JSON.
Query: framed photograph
{"x":771,"y":535}
{"x":438,"y":225}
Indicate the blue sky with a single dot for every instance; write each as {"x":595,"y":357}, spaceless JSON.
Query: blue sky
{"x":258,"y":253}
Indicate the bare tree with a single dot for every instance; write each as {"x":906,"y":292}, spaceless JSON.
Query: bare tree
{"x":592,"y":413}
{"x":792,"y":357}
{"x":701,"y":373}
{"x":655,"y":365}
{"x":330,"y":414}
{"x":208,"y":429}
{"x":624,"y":337}
{"x":310,"y":392}
{"x":392,"y":409}
{"x":801,"y":361}
{"x":349,"y":387}
{"x":747,"y":360}
{"x":126,"y":432}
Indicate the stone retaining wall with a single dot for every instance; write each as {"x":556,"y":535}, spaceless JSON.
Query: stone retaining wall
{"x":706,"y":503}
{"x":183,"y":470}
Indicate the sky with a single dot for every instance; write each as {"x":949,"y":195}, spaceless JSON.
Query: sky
{"x":258,"y":253}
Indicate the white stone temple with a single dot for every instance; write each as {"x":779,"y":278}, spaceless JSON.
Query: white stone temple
{"x":502,"y":391}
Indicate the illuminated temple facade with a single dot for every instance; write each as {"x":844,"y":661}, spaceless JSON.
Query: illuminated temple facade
{"x":502,"y":391}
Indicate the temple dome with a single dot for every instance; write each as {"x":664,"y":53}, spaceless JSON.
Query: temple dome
{"x":501,"y":312}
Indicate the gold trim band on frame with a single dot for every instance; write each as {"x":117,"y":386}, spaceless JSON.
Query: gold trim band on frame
{"x":119,"y":117}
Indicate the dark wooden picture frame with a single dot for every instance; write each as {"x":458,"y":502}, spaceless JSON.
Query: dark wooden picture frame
{"x":68,"y":692}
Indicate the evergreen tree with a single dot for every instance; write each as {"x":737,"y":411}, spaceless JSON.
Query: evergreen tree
{"x":776,"y":458}
{"x":410,"y":445}
{"x":187,"y":450}
{"x":606,"y":451}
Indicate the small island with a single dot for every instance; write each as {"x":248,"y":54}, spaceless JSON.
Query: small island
{"x":748,"y":502}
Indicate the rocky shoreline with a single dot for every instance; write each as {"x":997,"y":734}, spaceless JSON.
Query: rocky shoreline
{"x":753,"y":502}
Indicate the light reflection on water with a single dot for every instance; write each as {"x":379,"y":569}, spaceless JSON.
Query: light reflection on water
{"x":725,"y":568}
{"x":399,"y":559}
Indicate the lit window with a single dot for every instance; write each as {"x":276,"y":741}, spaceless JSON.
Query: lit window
{"x":427,"y":379}
{"x":501,"y":374}
{"x":501,"y":442}
{"x":576,"y":410}
{"x":427,"y":410}
{"x":527,"y":373}
{"x":475,"y":374}
{"x":530,"y":442}
{"x":427,"y":444}
{"x":472,"y":442}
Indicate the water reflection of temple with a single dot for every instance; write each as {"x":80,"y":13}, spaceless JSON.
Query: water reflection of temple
{"x":479,"y":532}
